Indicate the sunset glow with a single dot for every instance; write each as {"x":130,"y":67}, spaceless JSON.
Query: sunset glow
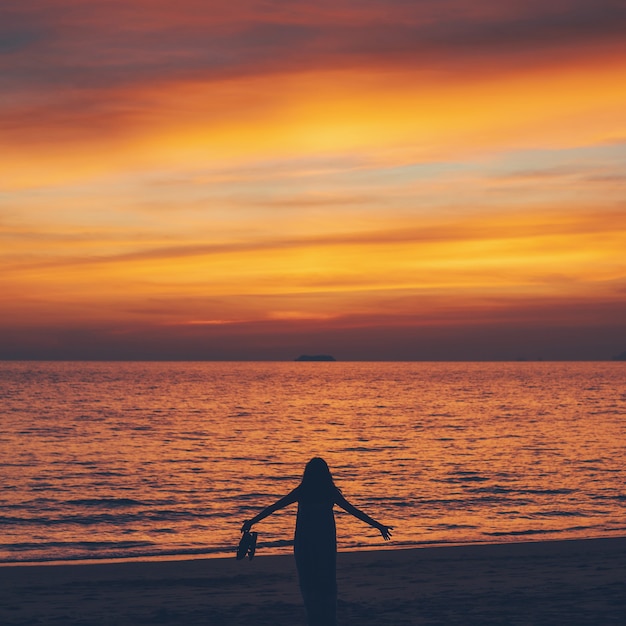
{"x":379,"y":180}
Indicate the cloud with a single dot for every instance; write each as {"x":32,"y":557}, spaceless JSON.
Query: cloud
{"x":218,"y":149}
{"x":540,"y":329}
{"x":119,"y":72}
{"x":102,"y":45}
{"x":443,"y":235}
{"x":12,"y":41}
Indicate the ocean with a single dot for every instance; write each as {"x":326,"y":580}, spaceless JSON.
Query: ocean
{"x":107,"y":460}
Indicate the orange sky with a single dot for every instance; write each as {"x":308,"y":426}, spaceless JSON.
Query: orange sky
{"x":380,"y":180}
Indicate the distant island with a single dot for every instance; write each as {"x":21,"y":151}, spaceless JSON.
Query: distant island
{"x":316,"y":357}
{"x":620,"y":357}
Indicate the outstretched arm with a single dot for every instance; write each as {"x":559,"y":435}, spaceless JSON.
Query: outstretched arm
{"x":290,"y":498}
{"x":385,"y":531}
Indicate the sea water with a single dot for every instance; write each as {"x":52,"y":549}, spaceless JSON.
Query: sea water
{"x":126,"y":460}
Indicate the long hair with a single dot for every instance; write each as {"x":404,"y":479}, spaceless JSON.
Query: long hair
{"x":317,"y":481}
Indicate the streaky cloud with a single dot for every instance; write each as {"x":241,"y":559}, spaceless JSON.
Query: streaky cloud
{"x":103,"y":45}
{"x":483,"y":227}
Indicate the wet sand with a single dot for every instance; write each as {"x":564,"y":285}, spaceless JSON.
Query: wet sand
{"x":552,"y":582}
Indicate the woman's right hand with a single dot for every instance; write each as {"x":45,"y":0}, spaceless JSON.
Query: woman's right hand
{"x":385,"y":531}
{"x":247,"y":525}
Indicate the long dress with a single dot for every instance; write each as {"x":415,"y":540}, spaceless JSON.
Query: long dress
{"x":315,"y":550}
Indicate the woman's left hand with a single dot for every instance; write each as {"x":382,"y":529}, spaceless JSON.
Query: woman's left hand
{"x":247,"y":525}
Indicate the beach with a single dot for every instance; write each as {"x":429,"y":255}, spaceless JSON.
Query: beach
{"x":548,"y":582}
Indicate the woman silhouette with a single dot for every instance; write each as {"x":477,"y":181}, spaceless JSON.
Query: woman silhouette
{"x":315,"y":541}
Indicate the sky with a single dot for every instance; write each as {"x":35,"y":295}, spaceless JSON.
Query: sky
{"x":377,"y":180}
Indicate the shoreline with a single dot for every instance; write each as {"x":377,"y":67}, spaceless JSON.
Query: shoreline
{"x":569,"y":581}
{"x":225,"y":555}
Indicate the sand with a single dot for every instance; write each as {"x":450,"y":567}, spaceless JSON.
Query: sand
{"x":552,"y":582}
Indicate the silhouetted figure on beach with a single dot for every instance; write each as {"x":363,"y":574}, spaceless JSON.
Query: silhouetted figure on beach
{"x":315,"y":541}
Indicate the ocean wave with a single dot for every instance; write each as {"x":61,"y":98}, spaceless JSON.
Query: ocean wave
{"x":499,"y":489}
{"x":519,"y":533}
{"x":616,"y":498}
{"x":540,"y":531}
{"x":110,"y":519}
{"x":539,"y":514}
{"x":109,"y":503}
{"x":135,"y":470}
{"x":75,"y":545}
{"x":86,"y":551}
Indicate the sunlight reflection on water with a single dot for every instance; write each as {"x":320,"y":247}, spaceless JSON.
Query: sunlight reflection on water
{"x":123,"y":459}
